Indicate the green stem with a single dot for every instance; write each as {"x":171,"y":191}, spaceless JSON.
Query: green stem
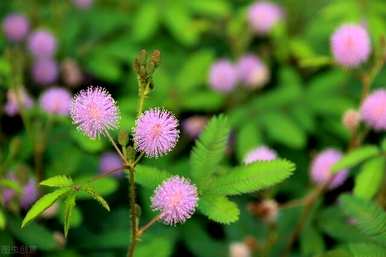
{"x":134,"y":225}
{"x":116,"y":147}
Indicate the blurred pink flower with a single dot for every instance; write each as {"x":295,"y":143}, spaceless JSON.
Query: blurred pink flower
{"x":45,"y":71}
{"x":11,"y":107}
{"x":30,"y":194}
{"x":83,"y":4}
{"x":94,"y":111}
{"x":176,"y":199}
{"x":261,"y":153}
{"x":194,"y":125}
{"x":110,"y":161}
{"x":263,"y":16}
{"x":223,"y":76}
{"x":239,"y":249}
{"x":351,"y":119}
{"x":252,"y":72}
{"x":156,"y":132}
{"x":350,"y":45}
{"x":373,"y":110}
{"x":321,"y":168}
{"x":56,"y":100}
{"x":15,"y":27}
{"x":42,"y":44}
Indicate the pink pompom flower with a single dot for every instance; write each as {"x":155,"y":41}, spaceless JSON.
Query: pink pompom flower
{"x":30,"y":194}
{"x":350,"y":45}
{"x":176,"y":199}
{"x":15,"y":27}
{"x":156,"y":132}
{"x":56,"y":100}
{"x":94,"y":111}
{"x":223,"y":76}
{"x":42,"y":44}
{"x":373,"y":110}
{"x":45,"y":71}
{"x":252,"y":72}
{"x":263,"y":16}
{"x":321,"y":168}
{"x":110,"y":161}
{"x":15,"y":99}
{"x":261,"y":153}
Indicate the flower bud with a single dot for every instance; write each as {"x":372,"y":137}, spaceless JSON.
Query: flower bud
{"x":239,"y":249}
{"x":267,"y":210}
{"x":351,"y":119}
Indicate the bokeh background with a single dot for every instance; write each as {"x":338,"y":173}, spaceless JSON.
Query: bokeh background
{"x":297,"y":112}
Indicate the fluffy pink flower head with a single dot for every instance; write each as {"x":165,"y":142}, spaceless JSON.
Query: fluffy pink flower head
{"x":56,"y":100}
{"x":263,"y":16}
{"x":155,"y":132}
{"x":176,"y":199}
{"x":42,"y":44}
{"x":110,"y":161}
{"x":321,"y":168}
{"x":193,"y":126}
{"x":82,"y":4}
{"x":15,"y":27}
{"x":223,"y":76}
{"x":11,"y":107}
{"x":261,"y":153}
{"x":252,"y":72}
{"x":94,"y":111}
{"x":350,"y":45}
{"x":45,"y":71}
{"x":373,"y":110}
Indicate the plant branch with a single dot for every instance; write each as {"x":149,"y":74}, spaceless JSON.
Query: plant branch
{"x":148,"y":225}
{"x":116,"y":147}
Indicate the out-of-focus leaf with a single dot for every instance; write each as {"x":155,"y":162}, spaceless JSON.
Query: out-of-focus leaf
{"x":311,"y":241}
{"x":11,"y":184}
{"x":150,"y":177}
{"x":215,"y":8}
{"x":86,"y":143}
{"x":203,"y":101}
{"x":248,"y":138}
{"x":43,"y":203}
{"x":368,"y":217}
{"x":284,"y":130}
{"x":146,"y":21}
{"x":103,"y":187}
{"x":104,"y":67}
{"x":3,"y":220}
{"x":370,"y":177}
{"x":355,"y":157}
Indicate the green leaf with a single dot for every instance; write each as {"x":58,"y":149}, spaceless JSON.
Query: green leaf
{"x":311,"y":241}
{"x":369,"y":218}
{"x":355,"y":157}
{"x":219,"y":208}
{"x":34,"y":235}
{"x":145,"y":22}
{"x":209,"y":149}
{"x":357,"y":250}
{"x":57,"y":181}
{"x":89,"y":190}
{"x":195,"y":70}
{"x":284,"y":130}
{"x":370,"y":177}
{"x":42,"y":204}
{"x":248,"y":138}
{"x":69,"y":205}
{"x":150,"y":177}
{"x":104,"y":186}
{"x":3,"y":220}
{"x":383,"y":145}
{"x":215,"y":8}
{"x":251,"y":177}
{"x":8,"y":183}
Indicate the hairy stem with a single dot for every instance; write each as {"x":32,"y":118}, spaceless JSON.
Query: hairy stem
{"x":133,"y":210}
{"x":148,"y":225}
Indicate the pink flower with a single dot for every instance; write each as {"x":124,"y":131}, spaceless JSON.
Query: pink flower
{"x":30,"y":194}
{"x":263,"y":16}
{"x":252,"y":72}
{"x":223,"y":76}
{"x":261,"y":153}
{"x":321,"y":168}
{"x":351,"y":119}
{"x":83,"y":4}
{"x":15,"y":27}
{"x":14,"y":100}
{"x":45,"y":71}
{"x":194,"y":125}
{"x":42,"y":44}
{"x":373,"y":110}
{"x":350,"y":45}
{"x":239,"y":249}
{"x":56,"y":100}
{"x":155,"y":132}
{"x":176,"y":199}
{"x":94,"y":111}
{"x":110,"y":161}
